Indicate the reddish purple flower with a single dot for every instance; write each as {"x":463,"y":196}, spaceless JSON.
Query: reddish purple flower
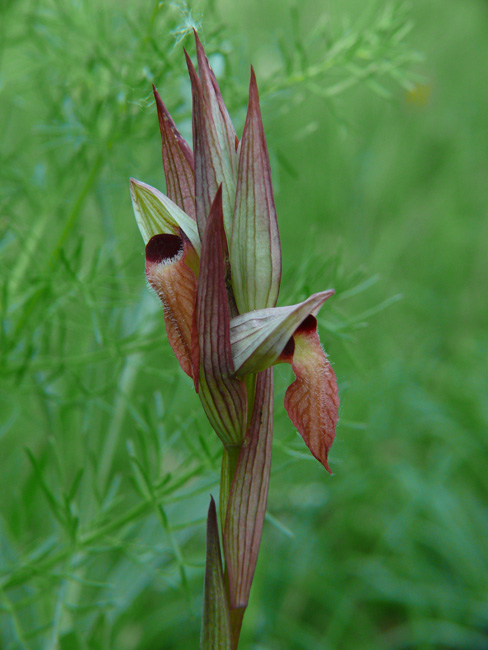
{"x":213,"y":256}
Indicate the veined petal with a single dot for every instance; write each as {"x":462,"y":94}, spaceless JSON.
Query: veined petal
{"x":255,"y":251}
{"x":312,"y":401}
{"x":216,"y":628}
{"x":212,"y":163}
{"x":168,"y":262}
{"x":177,"y":161}
{"x":223,"y":124}
{"x":156,"y":214}
{"x":223,"y":396}
{"x":248,"y":496}
{"x":259,"y":337}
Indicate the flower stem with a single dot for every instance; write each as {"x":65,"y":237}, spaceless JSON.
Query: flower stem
{"x":230,"y":457}
{"x":236,"y":616}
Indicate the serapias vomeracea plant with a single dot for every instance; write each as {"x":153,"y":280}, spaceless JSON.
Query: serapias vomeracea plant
{"x":213,"y":257}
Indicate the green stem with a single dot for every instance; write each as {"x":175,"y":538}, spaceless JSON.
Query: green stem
{"x":236,"y":616}
{"x":230,"y":457}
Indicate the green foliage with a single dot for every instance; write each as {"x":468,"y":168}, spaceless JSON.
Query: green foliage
{"x":107,"y":460}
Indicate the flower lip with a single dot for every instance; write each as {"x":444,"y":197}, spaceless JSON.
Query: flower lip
{"x":162,"y":248}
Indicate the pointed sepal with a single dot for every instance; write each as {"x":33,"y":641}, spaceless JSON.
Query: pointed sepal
{"x":225,"y":129}
{"x":216,"y":630}
{"x":157,"y":214}
{"x":255,"y":246}
{"x":312,"y":400}
{"x":247,"y":501}
{"x":177,"y":161}
{"x":213,"y":166}
{"x":259,"y":337}
{"x":223,"y":396}
{"x":169,"y":263}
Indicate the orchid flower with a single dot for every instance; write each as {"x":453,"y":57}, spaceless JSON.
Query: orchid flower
{"x":213,"y":257}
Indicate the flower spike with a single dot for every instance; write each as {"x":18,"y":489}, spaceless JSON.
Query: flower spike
{"x":213,"y":256}
{"x":232,"y":329}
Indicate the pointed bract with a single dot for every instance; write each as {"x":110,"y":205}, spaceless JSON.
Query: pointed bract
{"x":216,"y":630}
{"x":255,"y":245}
{"x":223,"y":396}
{"x":259,"y":337}
{"x":212,"y":164}
{"x":168,"y":261}
{"x":156,"y":214}
{"x":177,"y":161}
{"x":223,"y":124}
{"x":248,"y":496}
{"x":312,"y":401}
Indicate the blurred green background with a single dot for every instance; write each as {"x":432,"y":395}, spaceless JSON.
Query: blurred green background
{"x":376,"y":119}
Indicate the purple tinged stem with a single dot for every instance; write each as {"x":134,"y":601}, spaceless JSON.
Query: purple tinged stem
{"x":248,"y":496}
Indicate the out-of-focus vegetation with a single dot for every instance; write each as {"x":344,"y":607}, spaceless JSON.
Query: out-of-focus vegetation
{"x":107,"y":462}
